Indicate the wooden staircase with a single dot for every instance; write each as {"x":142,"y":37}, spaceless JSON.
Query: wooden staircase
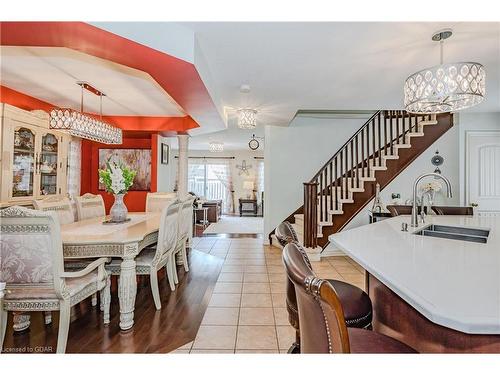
{"x":381,"y":149}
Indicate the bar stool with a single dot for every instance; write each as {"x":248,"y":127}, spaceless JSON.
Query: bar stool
{"x":399,"y":209}
{"x":321,"y":315}
{"x":452,"y":210}
{"x":357,"y":305}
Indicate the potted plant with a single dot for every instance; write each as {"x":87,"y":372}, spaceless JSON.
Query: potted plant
{"x":117,"y":179}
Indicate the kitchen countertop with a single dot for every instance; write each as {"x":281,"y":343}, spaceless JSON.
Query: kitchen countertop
{"x":452,"y":283}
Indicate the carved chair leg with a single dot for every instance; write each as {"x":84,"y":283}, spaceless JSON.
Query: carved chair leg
{"x":170,"y":274}
{"x":106,"y":300}
{"x":94,"y":300}
{"x":3,"y":326}
{"x":21,"y":321}
{"x":48,"y":317}
{"x":184,"y":256}
{"x":64,"y":317}
{"x":153,"y":280}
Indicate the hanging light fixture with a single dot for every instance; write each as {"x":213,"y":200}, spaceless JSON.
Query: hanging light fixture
{"x":215,"y":146}
{"x":445,"y":87}
{"x":81,"y":125}
{"x":247,"y":118}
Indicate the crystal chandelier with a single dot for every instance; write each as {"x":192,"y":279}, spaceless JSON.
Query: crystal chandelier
{"x":247,"y":118}
{"x":216,"y":146}
{"x":445,"y":87}
{"x":81,"y":125}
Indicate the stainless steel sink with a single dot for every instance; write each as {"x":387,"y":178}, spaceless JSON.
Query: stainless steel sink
{"x":455,"y":233}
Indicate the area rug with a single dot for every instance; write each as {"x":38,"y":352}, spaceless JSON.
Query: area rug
{"x":236,"y":224}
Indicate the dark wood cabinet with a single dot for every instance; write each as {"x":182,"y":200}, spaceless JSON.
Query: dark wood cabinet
{"x":248,"y":206}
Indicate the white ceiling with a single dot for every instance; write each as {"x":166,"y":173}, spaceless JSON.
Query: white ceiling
{"x":334,"y":66}
{"x":50,"y":74}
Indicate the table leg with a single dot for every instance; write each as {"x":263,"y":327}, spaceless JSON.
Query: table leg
{"x":127,"y":290}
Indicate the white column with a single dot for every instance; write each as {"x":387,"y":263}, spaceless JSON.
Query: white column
{"x":183,"y":140}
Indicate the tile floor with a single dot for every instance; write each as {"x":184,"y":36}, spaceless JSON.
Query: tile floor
{"x":247,"y":311}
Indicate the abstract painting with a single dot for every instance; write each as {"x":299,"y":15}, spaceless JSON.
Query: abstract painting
{"x":137,"y":159}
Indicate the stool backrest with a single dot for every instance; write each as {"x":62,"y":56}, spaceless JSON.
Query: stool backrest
{"x":452,"y":210}
{"x":322,"y":324}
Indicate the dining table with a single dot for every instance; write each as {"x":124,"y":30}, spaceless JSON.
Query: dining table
{"x":95,"y":238}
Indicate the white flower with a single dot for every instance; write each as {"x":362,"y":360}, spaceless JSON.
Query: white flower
{"x":432,"y":186}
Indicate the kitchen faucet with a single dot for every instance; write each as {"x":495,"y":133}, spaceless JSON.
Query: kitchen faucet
{"x":414,"y":210}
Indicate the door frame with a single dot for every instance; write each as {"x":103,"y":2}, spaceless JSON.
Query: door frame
{"x":468,"y":135}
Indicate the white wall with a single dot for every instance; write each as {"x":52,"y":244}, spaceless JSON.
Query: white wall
{"x":166,"y":172}
{"x":293,"y":155}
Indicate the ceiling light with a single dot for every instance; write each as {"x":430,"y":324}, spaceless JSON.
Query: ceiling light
{"x":81,"y":125}
{"x":445,"y":87}
{"x":247,"y":118}
{"x":216,"y":146}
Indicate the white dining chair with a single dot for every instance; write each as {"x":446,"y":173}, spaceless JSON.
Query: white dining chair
{"x":33,"y":269}
{"x":89,"y":206}
{"x":185,"y":233}
{"x":152,"y":259}
{"x":155,"y":202}
{"x":61,"y":206}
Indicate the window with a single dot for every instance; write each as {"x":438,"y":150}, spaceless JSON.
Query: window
{"x":211,"y":180}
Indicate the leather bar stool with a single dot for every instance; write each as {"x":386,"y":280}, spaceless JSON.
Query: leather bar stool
{"x":321,"y":315}
{"x":356,"y":304}
{"x":398,"y":209}
{"x":452,"y":210}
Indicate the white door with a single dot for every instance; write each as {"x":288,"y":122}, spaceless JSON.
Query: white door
{"x":483,"y":171}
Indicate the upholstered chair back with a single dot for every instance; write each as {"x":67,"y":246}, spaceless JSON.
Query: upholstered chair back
{"x":61,"y":206}
{"x":156,"y":202}
{"x":285,"y":233}
{"x":322,"y":325}
{"x":31,"y":251}
{"x":89,"y":206}
{"x":169,"y":229}
{"x":186,"y":220}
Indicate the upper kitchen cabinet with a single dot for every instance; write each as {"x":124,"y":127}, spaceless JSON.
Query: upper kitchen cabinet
{"x":34,"y":157}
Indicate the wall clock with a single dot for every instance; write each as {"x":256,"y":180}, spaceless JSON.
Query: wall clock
{"x":254,"y":143}
{"x":437,"y":160}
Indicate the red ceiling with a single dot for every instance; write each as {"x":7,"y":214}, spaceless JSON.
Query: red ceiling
{"x":177,"y":77}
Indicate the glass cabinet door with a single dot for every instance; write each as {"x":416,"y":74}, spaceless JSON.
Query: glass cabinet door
{"x":23,"y":162}
{"x":47,"y":164}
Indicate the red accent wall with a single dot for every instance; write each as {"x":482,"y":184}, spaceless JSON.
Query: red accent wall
{"x":23,"y":101}
{"x":135,"y":200}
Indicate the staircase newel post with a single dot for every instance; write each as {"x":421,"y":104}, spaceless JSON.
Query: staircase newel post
{"x":310,"y":214}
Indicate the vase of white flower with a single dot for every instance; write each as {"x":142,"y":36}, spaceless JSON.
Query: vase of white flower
{"x":118,"y":211}
{"x":117,"y":179}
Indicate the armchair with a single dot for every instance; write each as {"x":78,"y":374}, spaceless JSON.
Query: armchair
{"x":32,"y":267}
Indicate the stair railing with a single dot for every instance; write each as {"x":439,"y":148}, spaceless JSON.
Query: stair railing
{"x":355,"y":161}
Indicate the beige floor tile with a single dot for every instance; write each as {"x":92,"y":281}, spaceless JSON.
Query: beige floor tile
{"x":275,"y":269}
{"x":256,"y":278}
{"x":221,"y":316}
{"x":234,"y":262}
{"x":256,"y":351}
{"x":349,"y":268}
{"x":277,"y":277}
{"x":256,"y":288}
{"x":225,"y":300}
{"x":231,"y":268}
{"x":278,"y":287}
{"x":286,"y":336}
{"x":230,"y":277}
{"x":187,"y":346}
{"x":231,"y":255}
{"x":255,"y":269}
{"x":255,"y":262}
{"x":274,"y":262}
{"x":256,"y":300}
{"x":206,"y":251}
{"x":278,"y":299}
{"x":256,"y":316}
{"x":179,"y":351}
{"x":257,"y":337}
{"x":329,"y":275}
{"x":281,"y":316}
{"x":215,"y":337}
{"x":217,"y":255}
{"x":228,"y":288}
{"x":212,"y":351}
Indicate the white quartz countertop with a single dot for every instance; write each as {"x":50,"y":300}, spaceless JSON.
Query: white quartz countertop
{"x":453,"y":283}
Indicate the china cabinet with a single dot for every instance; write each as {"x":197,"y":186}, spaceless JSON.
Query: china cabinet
{"x":33,"y":157}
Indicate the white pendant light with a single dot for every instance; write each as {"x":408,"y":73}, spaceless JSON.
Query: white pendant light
{"x":445,"y":87}
{"x":81,"y":125}
{"x":215,"y":146}
{"x":247,"y":118}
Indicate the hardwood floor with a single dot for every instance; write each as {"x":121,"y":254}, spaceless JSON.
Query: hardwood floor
{"x":154,"y":331}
